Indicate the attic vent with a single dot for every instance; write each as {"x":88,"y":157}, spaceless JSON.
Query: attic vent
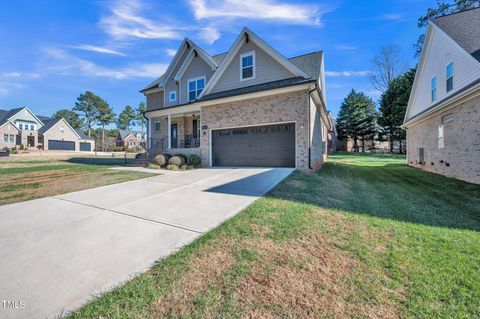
{"x":247,"y":39}
{"x":196,"y":53}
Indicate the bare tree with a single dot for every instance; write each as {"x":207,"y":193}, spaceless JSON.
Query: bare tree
{"x":387,"y":64}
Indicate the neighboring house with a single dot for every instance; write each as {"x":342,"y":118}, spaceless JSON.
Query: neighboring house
{"x":332,"y":134}
{"x":131,"y":139}
{"x":443,"y":114}
{"x":382,"y":146}
{"x":21,"y":127}
{"x":250,"y":106}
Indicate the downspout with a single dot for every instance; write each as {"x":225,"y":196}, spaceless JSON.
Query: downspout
{"x":309,"y":128}
{"x":147,"y":126}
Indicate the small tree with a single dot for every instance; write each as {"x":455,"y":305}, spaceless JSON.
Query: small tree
{"x":126,"y":118}
{"x":71,"y":117}
{"x":87,"y":104}
{"x":140,"y":119}
{"x":105,"y":116}
{"x":393,"y":105}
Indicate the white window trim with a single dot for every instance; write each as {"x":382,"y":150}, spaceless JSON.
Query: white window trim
{"x":170,"y":96}
{"x":204,"y":77}
{"x":252,"y":53}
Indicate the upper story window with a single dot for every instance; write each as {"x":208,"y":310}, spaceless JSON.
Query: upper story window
{"x":32,"y":127}
{"x":247,"y":66}
{"x":434,"y":89}
{"x":195,"y":88}
{"x":157,"y":126}
{"x":172,"y":96}
{"x":449,"y":77}
{"x":20,"y":126}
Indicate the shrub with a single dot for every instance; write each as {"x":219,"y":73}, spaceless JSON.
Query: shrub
{"x":40,"y":147}
{"x":160,"y":160}
{"x":153,"y":166}
{"x":194,"y":160}
{"x":13,"y":151}
{"x":172,"y":167}
{"x":183,"y":158}
{"x":22,"y":147}
{"x":175,"y":160}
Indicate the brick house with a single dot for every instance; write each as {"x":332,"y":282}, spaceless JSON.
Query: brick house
{"x":250,"y":106}
{"x":443,"y":114}
{"x":131,"y":139}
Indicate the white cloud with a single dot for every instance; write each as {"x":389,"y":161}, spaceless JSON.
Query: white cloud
{"x":97,"y":49}
{"x":257,"y":9}
{"x":337,"y":74}
{"x":126,"y":21}
{"x":7,"y":87}
{"x":16,"y":74}
{"x":209,"y":35}
{"x":393,"y":16}
{"x":171,"y":52}
{"x":65,"y":64}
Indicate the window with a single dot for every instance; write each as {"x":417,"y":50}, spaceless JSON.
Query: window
{"x":434,"y":89}
{"x":12,"y":138}
{"x":195,"y":87}
{"x":447,"y":119}
{"x":247,"y":66}
{"x":20,"y":126}
{"x":62,"y":129}
{"x":440,"y":137}
{"x":449,"y":77}
{"x":130,"y":143}
{"x":32,"y":127}
{"x":172,"y":96}
{"x":157,"y":126}
{"x":5,"y":138}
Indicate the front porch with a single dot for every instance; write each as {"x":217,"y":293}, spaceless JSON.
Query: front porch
{"x":175,"y":133}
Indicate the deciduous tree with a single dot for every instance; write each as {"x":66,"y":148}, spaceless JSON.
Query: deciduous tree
{"x":71,"y":117}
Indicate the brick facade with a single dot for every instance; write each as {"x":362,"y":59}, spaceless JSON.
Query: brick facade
{"x":460,"y":156}
{"x":287,"y":107}
{"x":8,"y":129}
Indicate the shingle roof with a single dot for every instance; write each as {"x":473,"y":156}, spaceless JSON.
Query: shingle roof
{"x":2,"y":113}
{"x":464,"y":28}
{"x":219,"y":57}
{"x":9,"y":114}
{"x":48,"y":124}
{"x":310,"y":63}
{"x":124,"y":133}
{"x":82,"y":134}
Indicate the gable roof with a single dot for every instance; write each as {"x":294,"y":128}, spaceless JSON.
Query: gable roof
{"x":8,"y":114}
{"x":310,"y":63}
{"x":464,"y":28}
{"x":47,"y":125}
{"x":195,"y":51}
{"x":248,"y":34}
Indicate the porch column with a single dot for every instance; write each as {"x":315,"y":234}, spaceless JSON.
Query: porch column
{"x":169,"y":131}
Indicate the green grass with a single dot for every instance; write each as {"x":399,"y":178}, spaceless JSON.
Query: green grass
{"x":365,"y":236}
{"x":22,"y":180}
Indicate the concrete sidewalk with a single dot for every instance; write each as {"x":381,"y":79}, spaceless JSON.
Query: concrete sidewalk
{"x":56,"y":253}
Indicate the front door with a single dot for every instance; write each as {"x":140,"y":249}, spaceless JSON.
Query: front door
{"x":173,"y":135}
{"x":30,"y":141}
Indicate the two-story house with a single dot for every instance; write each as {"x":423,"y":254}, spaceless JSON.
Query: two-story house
{"x":250,"y":106}
{"x":131,"y":139}
{"x":20,"y":126}
{"x":443,"y":114}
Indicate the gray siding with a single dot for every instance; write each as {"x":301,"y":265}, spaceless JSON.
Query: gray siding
{"x":267,"y":70}
{"x":27,"y":116}
{"x":197,"y":68}
{"x":170,"y":84}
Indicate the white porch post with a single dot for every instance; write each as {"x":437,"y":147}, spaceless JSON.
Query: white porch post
{"x":169,"y":131}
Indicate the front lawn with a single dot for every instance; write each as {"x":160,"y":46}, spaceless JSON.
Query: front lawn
{"x":22,"y":180}
{"x":365,"y":236}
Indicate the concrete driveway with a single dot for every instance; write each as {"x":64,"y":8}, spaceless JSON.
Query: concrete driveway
{"x":56,"y":253}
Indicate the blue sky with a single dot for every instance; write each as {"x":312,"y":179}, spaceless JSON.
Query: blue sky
{"x":54,"y":50}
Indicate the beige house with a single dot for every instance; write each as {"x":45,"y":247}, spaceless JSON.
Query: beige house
{"x":250,"y":106}
{"x":443,"y":114}
{"x":21,"y":127}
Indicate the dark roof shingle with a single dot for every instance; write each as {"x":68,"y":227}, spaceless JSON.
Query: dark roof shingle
{"x":464,"y":28}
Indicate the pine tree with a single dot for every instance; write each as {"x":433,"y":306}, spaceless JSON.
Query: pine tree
{"x":105,"y":116}
{"x":126,"y":118}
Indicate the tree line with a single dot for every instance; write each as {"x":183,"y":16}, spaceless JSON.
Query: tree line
{"x":92,"y":111}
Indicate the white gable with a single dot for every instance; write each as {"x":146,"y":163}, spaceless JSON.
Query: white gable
{"x":438,"y":52}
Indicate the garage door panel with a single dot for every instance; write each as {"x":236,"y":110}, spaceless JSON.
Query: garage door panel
{"x":61,"y":145}
{"x":266,"y":145}
{"x":85,"y":147}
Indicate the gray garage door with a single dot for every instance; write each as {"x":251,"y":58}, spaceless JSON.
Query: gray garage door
{"x":267,"y":145}
{"x":61,"y":145}
{"x":85,"y":147}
